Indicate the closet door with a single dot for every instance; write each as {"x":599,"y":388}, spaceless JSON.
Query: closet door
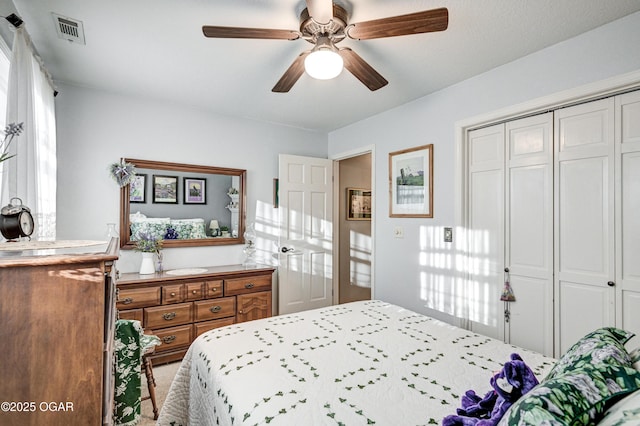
{"x":529,"y":232}
{"x":628,"y":213}
{"x":584,"y":216}
{"x":486,"y":224}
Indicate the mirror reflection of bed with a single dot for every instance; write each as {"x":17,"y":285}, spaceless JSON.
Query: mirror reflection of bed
{"x":183,"y":204}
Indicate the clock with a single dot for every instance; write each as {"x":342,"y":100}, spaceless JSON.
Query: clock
{"x":16,"y":220}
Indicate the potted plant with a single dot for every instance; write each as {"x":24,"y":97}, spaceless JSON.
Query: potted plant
{"x":225,"y":231}
{"x":149,"y":245}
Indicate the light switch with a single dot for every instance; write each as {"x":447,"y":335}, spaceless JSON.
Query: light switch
{"x":448,"y":235}
{"x":398,"y":232}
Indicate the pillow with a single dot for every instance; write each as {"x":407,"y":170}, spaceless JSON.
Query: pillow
{"x":602,"y":346}
{"x":154,"y":226}
{"x":635,"y":358}
{"x":575,"y":398}
{"x":625,"y":411}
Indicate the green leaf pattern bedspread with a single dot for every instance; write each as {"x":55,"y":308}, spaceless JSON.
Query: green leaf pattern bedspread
{"x":353,"y":364}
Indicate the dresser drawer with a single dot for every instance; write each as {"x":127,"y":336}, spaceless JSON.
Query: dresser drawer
{"x":138,"y":297}
{"x":167,"y":316}
{"x":173,"y":337}
{"x":247,"y":285}
{"x":202,"y":327}
{"x":131,"y":314}
{"x":172,"y":294}
{"x":213,"y":288}
{"x":216,"y":308}
{"x":194,"y":291}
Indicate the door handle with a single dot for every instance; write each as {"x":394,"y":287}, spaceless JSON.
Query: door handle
{"x":286,"y":249}
{"x":611,"y":284}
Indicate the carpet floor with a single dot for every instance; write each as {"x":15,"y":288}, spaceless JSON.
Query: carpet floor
{"x":164,"y":375}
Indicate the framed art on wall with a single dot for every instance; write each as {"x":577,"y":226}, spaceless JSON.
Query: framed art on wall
{"x":137,"y":189}
{"x":165,"y":189}
{"x":195,"y":190}
{"x":358,"y":204}
{"x":411,"y":182}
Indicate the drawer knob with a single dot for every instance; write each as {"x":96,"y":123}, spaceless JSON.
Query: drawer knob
{"x":127,"y":301}
{"x":249,"y":285}
{"x":214,"y":289}
{"x":169,"y":339}
{"x":215,"y":309}
{"x":173,"y":294}
{"x":169,"y":316}
{"x":194,"y":291}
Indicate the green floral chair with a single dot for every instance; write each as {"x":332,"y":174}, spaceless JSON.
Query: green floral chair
{"x":132,"y":348}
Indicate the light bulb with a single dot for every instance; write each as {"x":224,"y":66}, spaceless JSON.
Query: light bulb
{"x":323,"y":64}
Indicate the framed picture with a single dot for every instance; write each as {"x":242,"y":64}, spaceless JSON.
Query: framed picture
{"x":411,"y":182}
{"x":195,"y":190}
{"x":165,"y":189}
{"x":137,"y":189}
{"x":358,"y":204}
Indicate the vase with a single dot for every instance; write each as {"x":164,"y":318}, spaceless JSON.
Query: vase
{"x":147,"y":266}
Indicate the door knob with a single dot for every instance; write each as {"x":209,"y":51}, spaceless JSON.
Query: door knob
{"x":286,"y":249}
{"x":611,"y":284}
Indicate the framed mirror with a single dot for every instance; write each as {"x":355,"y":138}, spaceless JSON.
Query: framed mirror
{"x":185,"y":205}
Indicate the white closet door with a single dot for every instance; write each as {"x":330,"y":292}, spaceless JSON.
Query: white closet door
{"x":529,"y":232}
{"x":584,"y":214}
{"x":628,"y":213}
{"x":486,"y":223}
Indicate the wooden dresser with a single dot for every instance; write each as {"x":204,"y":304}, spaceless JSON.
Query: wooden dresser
{"x":57,"y":314}
{"x":178,"y":308}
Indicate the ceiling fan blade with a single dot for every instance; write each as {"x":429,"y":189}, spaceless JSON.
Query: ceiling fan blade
{"x":413,"y":23}
{"x":362,"y":70}
{"x":259,"y":33}
{"x":291,"y":75}
{"x":320,"y":10}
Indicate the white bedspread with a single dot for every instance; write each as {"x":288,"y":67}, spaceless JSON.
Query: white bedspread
{"x":353,"y":364}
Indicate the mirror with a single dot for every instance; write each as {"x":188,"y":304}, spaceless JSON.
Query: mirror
{"x":186,"y":205}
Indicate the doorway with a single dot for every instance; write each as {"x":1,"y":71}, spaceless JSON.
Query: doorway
{"x":354,"y":240}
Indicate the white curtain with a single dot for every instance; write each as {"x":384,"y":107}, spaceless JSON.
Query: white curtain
{"x":31,"y":174}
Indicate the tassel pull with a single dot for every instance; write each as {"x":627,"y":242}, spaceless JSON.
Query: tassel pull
{"x":507,"y":291}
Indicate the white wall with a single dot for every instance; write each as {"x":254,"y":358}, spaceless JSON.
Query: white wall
{"x":418,"y":271}
{"x":96,"y":128}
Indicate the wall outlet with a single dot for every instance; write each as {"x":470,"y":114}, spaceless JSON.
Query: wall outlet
{"x":448,"y":235}
{"x":398,"y":232}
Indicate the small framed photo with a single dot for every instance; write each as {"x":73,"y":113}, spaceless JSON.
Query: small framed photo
{"x":195,"y":190}
{"x":137,"y":189}
{"x":358,"y":204}
{"x":165,"y":189}
{"x":411,"y":182}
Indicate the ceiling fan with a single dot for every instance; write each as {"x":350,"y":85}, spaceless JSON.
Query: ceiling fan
{"x":325,"y":24}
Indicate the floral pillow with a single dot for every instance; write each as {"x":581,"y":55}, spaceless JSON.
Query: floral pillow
{"x":576,"y":398}
{"x":602,"y":346}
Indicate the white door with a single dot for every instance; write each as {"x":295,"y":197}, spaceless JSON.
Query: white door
{"x":584,"y":214}
{"x":306,"y":232}
{"x":486,"y":225}
{"x":627,"y":213}
{"x":529,"y":232}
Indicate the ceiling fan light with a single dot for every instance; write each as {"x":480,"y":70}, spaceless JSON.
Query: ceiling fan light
{"x":323,"y":64}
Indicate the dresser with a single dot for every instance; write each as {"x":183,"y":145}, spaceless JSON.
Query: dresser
{"x":178,"y":308}
{"x":57,"y":316}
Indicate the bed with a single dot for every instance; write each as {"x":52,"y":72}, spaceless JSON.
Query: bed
{"x":365,"y":362}
{"x":161,"y":227}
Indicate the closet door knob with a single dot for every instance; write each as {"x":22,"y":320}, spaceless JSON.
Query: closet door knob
{"x":611,"y":284}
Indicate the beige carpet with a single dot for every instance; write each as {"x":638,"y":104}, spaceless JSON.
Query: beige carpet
{"x":164,"y":376}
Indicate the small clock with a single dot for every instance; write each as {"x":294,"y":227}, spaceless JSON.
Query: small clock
{"x":16,"y":220}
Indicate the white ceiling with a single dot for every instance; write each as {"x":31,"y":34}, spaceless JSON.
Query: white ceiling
{"x":155,"y":48}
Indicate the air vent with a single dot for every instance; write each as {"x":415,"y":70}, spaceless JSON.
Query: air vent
{"x":69,"y":29}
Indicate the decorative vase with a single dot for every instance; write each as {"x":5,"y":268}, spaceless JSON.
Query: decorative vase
{"x":147,"y":266}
